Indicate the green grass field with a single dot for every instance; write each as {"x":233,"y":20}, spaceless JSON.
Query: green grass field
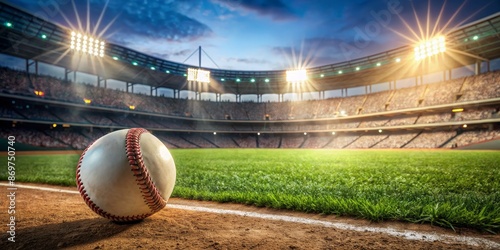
{"x":446,"y":188}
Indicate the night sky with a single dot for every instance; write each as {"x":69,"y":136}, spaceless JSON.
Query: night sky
{"x":260,"y":34}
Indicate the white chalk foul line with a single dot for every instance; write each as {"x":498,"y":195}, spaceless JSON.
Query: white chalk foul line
{"x":405,"y":234}
{"x":40,"y":188}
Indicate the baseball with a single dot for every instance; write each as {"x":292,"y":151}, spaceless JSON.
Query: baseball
{"x":126,"y":175}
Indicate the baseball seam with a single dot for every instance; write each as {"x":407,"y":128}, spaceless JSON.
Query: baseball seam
{"x":149,"y":191}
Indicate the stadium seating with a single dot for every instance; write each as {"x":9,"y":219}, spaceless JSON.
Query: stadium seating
{"x":118,"y":114}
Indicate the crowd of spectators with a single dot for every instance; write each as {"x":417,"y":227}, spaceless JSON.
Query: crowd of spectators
{"x":99,"y":119}
{"x":317,"y":141}
{"x":13,"y":81}
{"x":79,"y":138}
{"x":126,"y":119}
{"x":269,"y":141}
{"x":292,"y":141}
{"x":398,"y":121}
{"x":395,"y":140}
{"x":476,"y":114}
{"x":441,"y":93}
{"x":433,"y":118}
{"x":376,"y":102}
{"x":471,"y":137}
{"x":8,"y":113}
{"x":197,"y":140}
{"x":72,"y":139}
{"x":32,"y":137}
{"x":341,"y":141}
{"x":406,"y":98}
{"x":484,"y":86}
{"x":37,"y":113}
{"x":431,"y":139}
{"x":245,"y":140}
{"x":373,"y":123}
{"x":174,"y":141}
{"x":222,"y":141}
{"x":463,"y":89}
{"x":367,"y":141}
{"x":479,"y":87}
{"x":94,"y":133}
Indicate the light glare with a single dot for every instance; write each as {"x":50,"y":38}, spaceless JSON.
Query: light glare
{"x":198,"y":75}
{"x":86,"y":44}
{"x":298,"y":75}
{"x":429,"y":48}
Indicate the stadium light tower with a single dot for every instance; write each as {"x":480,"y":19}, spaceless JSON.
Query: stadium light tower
{"x":198,"y":74}
{"x":430,"y":47}
{"x":296,"y":75}
{"x":86,"y":44}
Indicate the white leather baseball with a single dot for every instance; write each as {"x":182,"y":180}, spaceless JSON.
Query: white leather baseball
{"x":126,"y":175}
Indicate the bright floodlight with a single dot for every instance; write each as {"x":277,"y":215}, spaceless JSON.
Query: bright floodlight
{"x":86,"y":44}
{"x":297,"y":75}
{"x":430,"y":48}
{"x":198,"y":75}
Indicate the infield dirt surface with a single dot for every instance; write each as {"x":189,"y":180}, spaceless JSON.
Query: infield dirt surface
{"x":50,"y":220}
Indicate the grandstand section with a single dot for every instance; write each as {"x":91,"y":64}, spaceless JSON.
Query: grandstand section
{"x":50,"y":112}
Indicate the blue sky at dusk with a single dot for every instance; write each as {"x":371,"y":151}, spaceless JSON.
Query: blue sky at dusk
{"x":259,"y":34}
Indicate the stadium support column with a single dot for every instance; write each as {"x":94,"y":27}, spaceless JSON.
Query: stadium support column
{"x":419,"y":80}
{"x":100,"y":79}
{"x":199,"y":56}
{"x":28,"y":66}
{"x":477,"y":68}
{"x":130,"y":87}
{"x":66,"y":72}
{"x":446,"y":74}
{"x":259,"y":96}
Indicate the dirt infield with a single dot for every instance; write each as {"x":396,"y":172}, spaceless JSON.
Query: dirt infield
{"x":49,"y":220}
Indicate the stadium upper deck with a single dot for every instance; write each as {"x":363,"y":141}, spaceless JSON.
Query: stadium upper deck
{"x":36,"y":40}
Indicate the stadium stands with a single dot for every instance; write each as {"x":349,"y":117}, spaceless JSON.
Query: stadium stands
{"x":183,"y":123}
{"x":453,"y":91}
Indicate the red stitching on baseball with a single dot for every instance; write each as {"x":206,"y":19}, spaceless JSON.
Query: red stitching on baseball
{"x":149,"y":191}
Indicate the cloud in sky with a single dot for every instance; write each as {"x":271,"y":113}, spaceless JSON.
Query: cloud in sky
{"x":248,"y":60}
{"x":158,"y":20}
{"x":275,"y":9}
{"x":148,"y":18}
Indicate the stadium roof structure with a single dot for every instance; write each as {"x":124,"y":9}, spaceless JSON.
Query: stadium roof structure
{"x":27,"y":36}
